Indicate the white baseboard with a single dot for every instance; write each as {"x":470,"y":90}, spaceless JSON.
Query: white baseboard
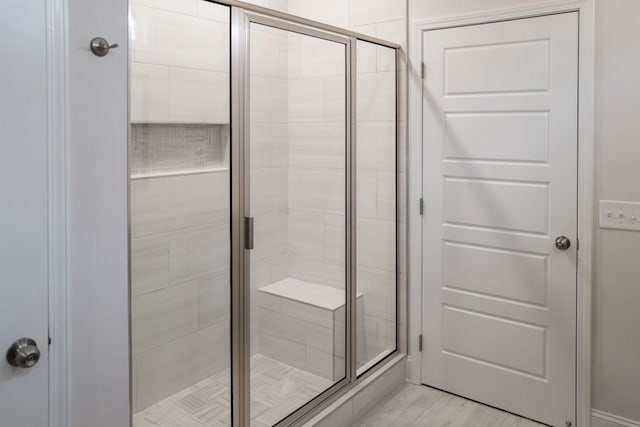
{"x":604,"y":419}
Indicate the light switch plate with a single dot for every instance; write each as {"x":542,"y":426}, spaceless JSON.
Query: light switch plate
{"x":620,"y":215}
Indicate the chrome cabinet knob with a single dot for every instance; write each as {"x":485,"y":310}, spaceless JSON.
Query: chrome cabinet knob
{"x":563,"y":243}
{"x":100,"y":46}
{"x":23,"y":353}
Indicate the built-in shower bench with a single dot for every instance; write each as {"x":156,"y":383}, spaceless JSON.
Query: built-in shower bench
{"x":302,"y":324}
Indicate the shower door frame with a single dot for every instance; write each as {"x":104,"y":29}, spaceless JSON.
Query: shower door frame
{"x":242,"y":16}
{"x":241,"y":21}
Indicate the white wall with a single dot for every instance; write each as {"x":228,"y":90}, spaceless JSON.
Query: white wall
{"x":97,"y":275}
{"x":616,"y":349}
{"x":616,"y":342}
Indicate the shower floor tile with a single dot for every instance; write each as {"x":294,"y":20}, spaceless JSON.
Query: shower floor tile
{"x":276,"y":390}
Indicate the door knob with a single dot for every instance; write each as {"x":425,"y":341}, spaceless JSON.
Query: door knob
{"x":563,"y":243}
{"x":100,"y":46}
{"x":23,"y":353}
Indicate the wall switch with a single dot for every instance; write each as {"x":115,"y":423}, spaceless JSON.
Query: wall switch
{"x":620,"y":215}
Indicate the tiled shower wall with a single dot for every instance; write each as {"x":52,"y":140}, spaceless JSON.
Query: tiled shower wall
{"x":180,"y":282}
{"x":179,"y":62}
{"x":180,"y":241}
{"x":387,"y":20}
{"x":269,"y":164}
{"x":317,"y":156}
{"x":316,"y":138}
{"x":376,"y":211}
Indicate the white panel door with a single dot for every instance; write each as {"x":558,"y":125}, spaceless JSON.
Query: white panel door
{"x":500,"y":184}
{"x":23,"y":210}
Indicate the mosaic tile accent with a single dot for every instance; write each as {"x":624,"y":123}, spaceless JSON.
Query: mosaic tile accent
{"x":171,"y":148}
{"x":277,"y":390}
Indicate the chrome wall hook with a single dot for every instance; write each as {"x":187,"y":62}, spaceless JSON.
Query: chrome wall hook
{"x":100,"y":46}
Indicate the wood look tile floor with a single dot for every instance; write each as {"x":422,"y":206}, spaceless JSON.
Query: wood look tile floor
{"x":277,"y":389}
{"x":423,"y":406}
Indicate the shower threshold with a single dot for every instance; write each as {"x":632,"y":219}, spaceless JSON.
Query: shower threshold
{"x":277,"y":389}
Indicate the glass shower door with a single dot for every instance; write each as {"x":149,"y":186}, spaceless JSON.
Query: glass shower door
{"x":297,"y":160}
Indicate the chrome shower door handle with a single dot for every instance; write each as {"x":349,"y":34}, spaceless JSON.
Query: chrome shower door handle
{"x":100,"y":46}
{"x":248,"y":230}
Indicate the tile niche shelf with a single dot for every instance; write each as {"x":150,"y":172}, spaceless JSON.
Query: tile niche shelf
{"x":174,"y":149}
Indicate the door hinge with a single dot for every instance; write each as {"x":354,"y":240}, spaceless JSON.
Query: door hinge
{"x":577,"y":244}
{"x":420,"y":343}
{"x":248,"y":233}
{"x":421,"y":208}
{"x":422,"y":67}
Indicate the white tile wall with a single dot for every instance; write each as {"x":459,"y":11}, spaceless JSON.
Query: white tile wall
{"x":377,"y":165}
{"x":307,"y":233}
{"x":291,"y":330}
{"x":180,"y":282}
{"x":316,"y":145}
{"x":376,"y":93}
{"x":268,"y":52}
{"x":269,"y":145}
{"x":163,"y":371}
{"x":268,"y":100}
{"x":198,"y":96}
{"x":162,"y":204}
{"x":306,"y":100}
{"x":167,"y":38}
{"x":188,"y":7}
{"x":149,"y":93}
{"x":164,"y":316}
{"x":332,"y":12}
{"x":198,"y":251}
{"x":180,"y":62}
{"x":213,"y":298}
{"x":150,"y":264}
{"x":317,"y":180}
{"x":321,"y":58}
{"x":316,"y":189}
{"x":373,"y":11}
{"x":269,"y":183}
{"x":324,"y":271}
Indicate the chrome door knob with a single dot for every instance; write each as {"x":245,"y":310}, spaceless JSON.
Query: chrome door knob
{"x":563,"y":243}
{"x":23,"y":353}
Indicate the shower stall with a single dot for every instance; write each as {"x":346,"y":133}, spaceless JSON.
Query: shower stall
{"x":263,"y":213}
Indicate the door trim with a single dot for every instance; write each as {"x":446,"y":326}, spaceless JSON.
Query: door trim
{"x":586,"y":146}
{"x":58,"y":178}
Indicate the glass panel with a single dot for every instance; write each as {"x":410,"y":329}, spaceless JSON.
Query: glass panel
{"x":297,"y":199}
{"x":180,"y":214}
{"x":376,"y":204}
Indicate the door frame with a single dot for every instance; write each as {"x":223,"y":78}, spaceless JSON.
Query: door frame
{"x":58,"y":177}
{"x":586,"y":172}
